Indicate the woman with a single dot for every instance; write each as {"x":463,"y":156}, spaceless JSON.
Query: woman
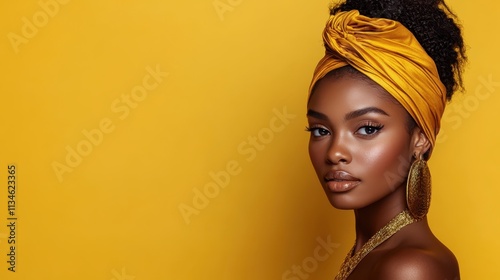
{"x":374,"y":112}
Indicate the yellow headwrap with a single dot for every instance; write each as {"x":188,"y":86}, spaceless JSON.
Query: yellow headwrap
{"x":389,"y":54}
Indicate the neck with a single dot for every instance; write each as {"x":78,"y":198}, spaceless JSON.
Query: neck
{"x":372,"y":218}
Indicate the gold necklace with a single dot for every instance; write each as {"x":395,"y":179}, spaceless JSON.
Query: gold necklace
{"x":351,"y":261}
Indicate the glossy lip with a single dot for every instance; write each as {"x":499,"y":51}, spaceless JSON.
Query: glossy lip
{"x":341,"y":181}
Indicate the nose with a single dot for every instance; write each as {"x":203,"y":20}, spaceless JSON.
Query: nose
{"x":338,"y":152}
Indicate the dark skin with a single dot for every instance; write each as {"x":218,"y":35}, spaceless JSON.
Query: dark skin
{"x":361,"y":149}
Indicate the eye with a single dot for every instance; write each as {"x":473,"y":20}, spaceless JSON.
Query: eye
{"x":317,"y":131}
{"x":369,"y":129}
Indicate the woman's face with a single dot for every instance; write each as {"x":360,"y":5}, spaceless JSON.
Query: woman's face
{"x":360,"y":146}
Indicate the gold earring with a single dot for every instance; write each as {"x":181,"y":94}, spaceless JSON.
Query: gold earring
{"x":418,"y":189}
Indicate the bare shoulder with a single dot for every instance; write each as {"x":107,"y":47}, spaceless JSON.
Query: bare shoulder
{"x":413,"y":263}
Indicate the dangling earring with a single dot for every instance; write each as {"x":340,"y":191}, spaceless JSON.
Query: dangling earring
{"x":418,"y":189}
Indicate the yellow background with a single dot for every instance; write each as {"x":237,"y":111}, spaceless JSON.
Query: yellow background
{"x":232,"y":65}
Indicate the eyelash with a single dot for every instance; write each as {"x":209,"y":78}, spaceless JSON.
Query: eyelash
{"x":377,"y":128}
{"x":313,"y":128}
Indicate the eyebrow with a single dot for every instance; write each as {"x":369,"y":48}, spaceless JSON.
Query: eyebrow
{"x":364,"y":111}
{"x":317,"y":115}
{"x":350,"y":115}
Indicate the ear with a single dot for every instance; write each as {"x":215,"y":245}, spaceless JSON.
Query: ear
{"x":420,"y":144}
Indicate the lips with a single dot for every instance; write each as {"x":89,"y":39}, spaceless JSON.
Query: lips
{"x":341,"y":181}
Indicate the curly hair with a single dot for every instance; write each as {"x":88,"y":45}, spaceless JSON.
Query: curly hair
{"x":432,"y":23}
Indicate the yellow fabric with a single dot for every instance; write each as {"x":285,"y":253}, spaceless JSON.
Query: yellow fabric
{"x":390,"y":55}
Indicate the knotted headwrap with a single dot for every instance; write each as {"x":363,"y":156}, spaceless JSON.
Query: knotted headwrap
{"x":389,"y":54}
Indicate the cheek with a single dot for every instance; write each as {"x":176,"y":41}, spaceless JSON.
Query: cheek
{"x":386,"y":161}
{"x":317,"y":151}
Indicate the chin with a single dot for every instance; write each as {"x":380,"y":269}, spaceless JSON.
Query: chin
{"x":343,"y":203}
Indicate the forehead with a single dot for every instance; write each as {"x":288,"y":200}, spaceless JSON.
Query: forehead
{"x":348,"y":92}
